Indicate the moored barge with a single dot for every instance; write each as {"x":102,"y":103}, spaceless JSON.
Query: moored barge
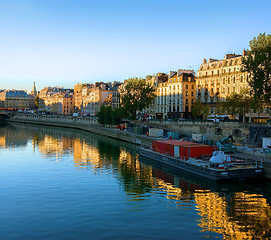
{"x":193,"y":158}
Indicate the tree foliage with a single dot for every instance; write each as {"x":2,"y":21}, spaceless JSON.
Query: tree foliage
{"x":136,"y":95}
{"x":118,"y":114}
{"x":239,"y":104}
{"x":101,"y":115}
{"x":37,"y":99}
{"x":258,"y":64}
{"x":110,"y":116}
{"x":198,"y":110}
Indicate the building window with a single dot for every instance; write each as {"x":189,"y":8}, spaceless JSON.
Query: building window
{"x":192,"y":101}
{"x":186,"y":93}
{"x":186,"y":101}
{"x":186,"y":86}
{"x":192,"y":94}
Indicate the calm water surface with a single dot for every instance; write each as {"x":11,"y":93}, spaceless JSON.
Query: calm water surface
{"x":65,"y":184}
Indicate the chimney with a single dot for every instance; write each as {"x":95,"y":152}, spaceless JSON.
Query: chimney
{"x":212,"y":60}
{"x":181,"y":71}
{"x":204,"y":61}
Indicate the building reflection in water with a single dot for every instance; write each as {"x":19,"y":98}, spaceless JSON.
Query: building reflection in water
{"x":10,"y":139}
{"x":235,"y":214}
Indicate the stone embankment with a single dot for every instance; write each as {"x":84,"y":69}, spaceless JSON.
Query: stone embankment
{"x":82,"y":123}
{"x":212,"y":130}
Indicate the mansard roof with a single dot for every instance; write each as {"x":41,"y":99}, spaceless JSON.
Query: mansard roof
{"x":16,"y":93}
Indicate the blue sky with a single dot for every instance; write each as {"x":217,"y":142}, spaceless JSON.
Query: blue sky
{"x":62,"y":42}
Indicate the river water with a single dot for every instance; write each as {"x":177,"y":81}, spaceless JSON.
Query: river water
{"x":58,"y":183}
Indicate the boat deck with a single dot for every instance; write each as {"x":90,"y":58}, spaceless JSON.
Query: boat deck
{"x":237,"y":171}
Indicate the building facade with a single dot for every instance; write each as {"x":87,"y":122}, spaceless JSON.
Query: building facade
{"x":56,"y":100}
{"x":176,"y":95}
{"x":16,"y":99}
{"x":88,"y":98}
{"x":218,"y":79}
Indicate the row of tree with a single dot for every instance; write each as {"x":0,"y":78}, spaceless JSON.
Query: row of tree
{"x":109,"y":116}
{"x":235,"y":104}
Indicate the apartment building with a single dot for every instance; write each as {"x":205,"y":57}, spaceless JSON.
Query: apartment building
{"x":218,"y":79}
{"x":116,"y":94}
{"x":18,"y":99}
{"x":56,"y":100}
{"x":176,"y":95}
{"x":88,"y":98}
{"x":153,"y":80}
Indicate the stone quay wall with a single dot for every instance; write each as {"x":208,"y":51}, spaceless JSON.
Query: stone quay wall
{"x":212,"y":130}
{"x":82,"y":123}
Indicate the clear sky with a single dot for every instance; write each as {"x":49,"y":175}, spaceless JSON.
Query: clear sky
{"x":62,"y":42}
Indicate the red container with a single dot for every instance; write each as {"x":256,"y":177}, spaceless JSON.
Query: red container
{"x":154,"y":146}
{"x":186,"y":149}
{"x":196,"y":151}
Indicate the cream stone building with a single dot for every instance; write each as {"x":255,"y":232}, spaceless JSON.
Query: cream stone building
{"x":176,"y":95}
{"x":153,"y":80}
{"x":218,"y":79}
{"x":81,"y":91}
{"x":18,"y":99}
{"x":56,"y":100}
{"x":88,"y":98}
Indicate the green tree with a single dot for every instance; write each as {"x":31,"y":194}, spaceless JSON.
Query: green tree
{"x":136,"y":95}
{"x":108,"y":115}
{"x":117,"y":114}
{"x":101,"y":115}
{"x":231,"y":104}
{"x":239,"y":104}
{"x":206,"y":111}
{"x":258,"y":64}
{"x":199,"y":109}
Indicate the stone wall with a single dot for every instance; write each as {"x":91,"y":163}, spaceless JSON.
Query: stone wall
{"x":82,"y":123}
{"x":212,"y":130}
